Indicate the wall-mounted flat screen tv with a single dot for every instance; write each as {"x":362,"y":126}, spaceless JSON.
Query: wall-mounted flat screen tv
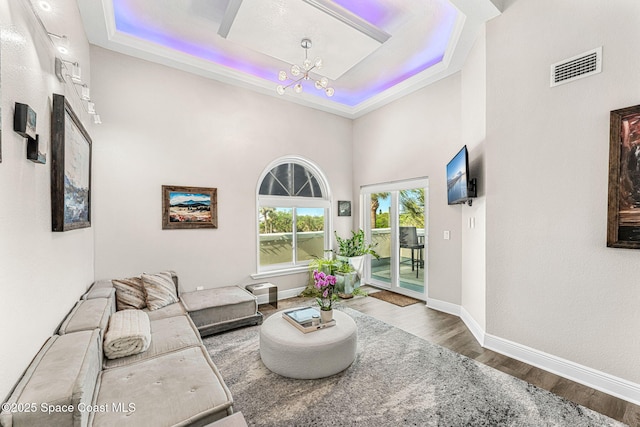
{"x":460,"y":189}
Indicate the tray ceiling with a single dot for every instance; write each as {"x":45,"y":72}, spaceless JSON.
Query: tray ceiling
{"x":373,"y":51}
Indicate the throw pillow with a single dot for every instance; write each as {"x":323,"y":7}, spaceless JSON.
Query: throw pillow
{"x":129,"y":293}
{"x":160,"y":290}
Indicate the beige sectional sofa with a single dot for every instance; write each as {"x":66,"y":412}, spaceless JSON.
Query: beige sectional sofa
{"x":71,"y":383}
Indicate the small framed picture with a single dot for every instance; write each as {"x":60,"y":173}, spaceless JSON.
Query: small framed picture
{"x":189,"y":207}
{"x":344,"y":208}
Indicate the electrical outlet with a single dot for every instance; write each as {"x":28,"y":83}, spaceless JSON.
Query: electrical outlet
{"x":447,"y":235}
{"x":199,"y":288}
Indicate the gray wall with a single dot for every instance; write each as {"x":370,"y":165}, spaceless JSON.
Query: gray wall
{"x":552,"y":284}
{"x":42,"y":273}
{"x":168,"y":127}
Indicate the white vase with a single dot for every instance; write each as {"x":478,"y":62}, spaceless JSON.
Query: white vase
{"x":326,"y":315}
{"x":357,"y":262}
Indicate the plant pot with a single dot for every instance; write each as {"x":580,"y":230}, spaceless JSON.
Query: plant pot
{"x":326,"y":315}
{"x":357,"y":263}
{"x":348,"y":282}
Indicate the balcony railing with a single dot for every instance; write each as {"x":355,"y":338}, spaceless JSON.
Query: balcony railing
{"x":277,"y":248}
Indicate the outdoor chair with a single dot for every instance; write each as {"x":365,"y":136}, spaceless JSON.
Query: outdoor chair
{"x":409,"y":240}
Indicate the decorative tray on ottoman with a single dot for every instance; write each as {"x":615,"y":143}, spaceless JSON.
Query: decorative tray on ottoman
{"x":302,"y":318}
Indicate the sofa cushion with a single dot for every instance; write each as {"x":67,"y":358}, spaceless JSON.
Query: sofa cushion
{"x":217,"y":305}
{"x":63,"y":374}
{"x":167,"y":335}
{"x":177,"y":388}
{"x":160,"y":290}
{"x":87,"y":315}
{"x":175,"y":309}
{"x":130,"y":293}
{"x":100,"y":292}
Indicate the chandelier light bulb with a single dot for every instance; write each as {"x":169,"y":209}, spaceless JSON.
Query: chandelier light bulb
{"x":300,"y":73}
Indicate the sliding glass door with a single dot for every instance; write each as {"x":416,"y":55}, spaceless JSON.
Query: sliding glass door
{"x":396,"y":221}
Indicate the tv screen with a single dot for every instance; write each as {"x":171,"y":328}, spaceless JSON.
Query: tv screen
{"x":458,"y":178}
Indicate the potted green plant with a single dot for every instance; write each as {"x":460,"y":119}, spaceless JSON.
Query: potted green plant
{"x":346,"y":280}
{"x":325,"y":265}
{"x":354,"y":249}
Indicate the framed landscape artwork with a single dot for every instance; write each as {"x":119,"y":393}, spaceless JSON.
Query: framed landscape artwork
{"x":623,"y":223}
{"x":189,"y":207}
{"x":70,"y":169}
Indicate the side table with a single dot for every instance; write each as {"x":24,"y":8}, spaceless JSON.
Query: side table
{"x":273,"y":291}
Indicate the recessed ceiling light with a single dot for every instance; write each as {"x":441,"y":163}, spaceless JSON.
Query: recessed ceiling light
{"x":44,"y":5}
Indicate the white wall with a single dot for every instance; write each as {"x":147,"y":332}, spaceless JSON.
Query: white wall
{"x":42,"y":273}
{"x":415,"y":137}
{"x":167,"y":127}
{"x":552,"y":284}
{"x":473,"y":259}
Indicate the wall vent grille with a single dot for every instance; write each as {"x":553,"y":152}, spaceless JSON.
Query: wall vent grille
{"x":578,"y":67}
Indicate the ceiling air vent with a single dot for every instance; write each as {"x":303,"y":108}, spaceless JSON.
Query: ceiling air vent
{"x":583,"y":65}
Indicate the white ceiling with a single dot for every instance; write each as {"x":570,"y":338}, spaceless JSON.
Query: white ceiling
{"x":427,"y":40}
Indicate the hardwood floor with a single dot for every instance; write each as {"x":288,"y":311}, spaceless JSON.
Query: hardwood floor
{"x":450,"y":332}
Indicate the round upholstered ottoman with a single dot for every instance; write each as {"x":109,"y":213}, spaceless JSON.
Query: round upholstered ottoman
{"x":291,"y":353}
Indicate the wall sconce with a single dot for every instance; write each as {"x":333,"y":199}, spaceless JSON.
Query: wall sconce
{"x":76,"y":71}
{"x":33,"y":152}
{"x":24,"y":120}
{"x":85,"y":92}
{"x":61,"y":43}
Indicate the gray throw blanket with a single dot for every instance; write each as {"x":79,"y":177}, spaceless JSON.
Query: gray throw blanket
{"x":129,"y":333}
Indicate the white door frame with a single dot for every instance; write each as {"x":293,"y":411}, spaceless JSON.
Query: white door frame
{"x":365,"y":223}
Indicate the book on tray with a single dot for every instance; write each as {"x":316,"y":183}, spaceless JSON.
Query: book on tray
{"x":303,"y":319}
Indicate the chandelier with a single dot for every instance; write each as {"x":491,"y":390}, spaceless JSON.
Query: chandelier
{"x":300,"y":73}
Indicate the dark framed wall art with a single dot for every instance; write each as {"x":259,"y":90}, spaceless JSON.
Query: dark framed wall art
{"x":623,"y":222}
{"x":70,"y":169}
{"x":344,"y":208}
{"x":189,"y":207}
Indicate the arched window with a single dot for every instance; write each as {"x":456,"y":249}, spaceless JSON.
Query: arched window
{"x":293,"y":215}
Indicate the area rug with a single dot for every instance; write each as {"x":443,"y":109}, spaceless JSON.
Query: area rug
{"x":397,"y":379}
{"x":394,"y":298}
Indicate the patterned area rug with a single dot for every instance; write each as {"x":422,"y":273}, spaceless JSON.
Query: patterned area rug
{"x":394,"y":298}
{"x":397,"y":379}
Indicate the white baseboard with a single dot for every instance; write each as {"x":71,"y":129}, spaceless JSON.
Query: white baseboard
{"x":473,"y":326}
{"x":593,"y":378}
{"x":590,"y":377}
{"x":445,"y":307}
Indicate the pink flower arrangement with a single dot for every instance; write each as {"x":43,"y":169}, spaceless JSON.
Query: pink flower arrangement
{"x":325,"y":283}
